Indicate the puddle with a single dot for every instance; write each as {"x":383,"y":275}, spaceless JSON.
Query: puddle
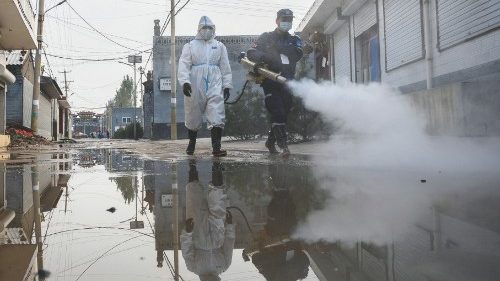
{"x":110,"y":215}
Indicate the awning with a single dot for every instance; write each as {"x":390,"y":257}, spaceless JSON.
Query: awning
{"x":50,"y":197}
{"x":49,"y":87}
{"x":63,"y":102}
{"x":6,"y":76}
{"x":63,"y":180}
{"x":318,"y":17}
{"x":17,"y":260}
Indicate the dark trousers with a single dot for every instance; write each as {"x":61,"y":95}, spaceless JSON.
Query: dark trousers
{"x":278,"y":103}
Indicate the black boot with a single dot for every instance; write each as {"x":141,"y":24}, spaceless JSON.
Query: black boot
{"x":270,"y":142}
{"x":193,"y":172}
{"x":281,"y":139}
{"x":217,"y":179}
{"x":216,"y":134}
{"x":192,"y":142}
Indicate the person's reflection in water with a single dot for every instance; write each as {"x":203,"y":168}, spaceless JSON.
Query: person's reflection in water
{"x":207,"y":241}
{"x":273,"y":253}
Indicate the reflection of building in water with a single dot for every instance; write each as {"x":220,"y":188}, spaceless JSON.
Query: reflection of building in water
{"x":121,"y":161}
{"x":158,"y":187}
{"x":90,"y":157}
{"x":18,"y":214}
{"x":439,"y":247}
{"x":247,"y":186}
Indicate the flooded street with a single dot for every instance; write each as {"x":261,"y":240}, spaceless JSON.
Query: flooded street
{"x":113,"y":215}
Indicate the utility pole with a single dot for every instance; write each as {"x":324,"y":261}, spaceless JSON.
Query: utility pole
{"x":141,"y":72}
{"x":135,"y":108}
{"x":38,"y":63}
{"x":66,"y":82}
{"x":135,"y":60}
{"x":66,"y":111}
{"x":175,"y":199}
{"x":37,"y":214}
{"x":173,"y":99}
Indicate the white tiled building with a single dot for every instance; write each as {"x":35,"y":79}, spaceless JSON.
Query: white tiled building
{"x":445,"y":52}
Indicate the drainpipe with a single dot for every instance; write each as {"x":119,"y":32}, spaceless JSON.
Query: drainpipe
{"x":331,"y":59}
{"x":428,"y":43}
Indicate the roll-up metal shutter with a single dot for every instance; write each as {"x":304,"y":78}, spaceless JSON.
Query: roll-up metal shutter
{"x":365,"y":18}
{"x":403,"y":32}
{"x":44,"y":116}
{"x":459,"y":20}
{"x":342,"y":53}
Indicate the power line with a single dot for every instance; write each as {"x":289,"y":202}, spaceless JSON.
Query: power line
{"x":235,"y":2}
{"x":81,"y":26}
{"x":48,"y":63}
{"x":87,"y":59}
{"x":167,"y":21}
{"x":99,"y":87}
{"x":96,"y":30}
{"x":83,"y":107}
{"x":104,"y":254}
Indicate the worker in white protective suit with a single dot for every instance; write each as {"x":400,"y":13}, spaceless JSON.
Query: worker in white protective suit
{"x":206,"y":79}
{"x":207,"y":241}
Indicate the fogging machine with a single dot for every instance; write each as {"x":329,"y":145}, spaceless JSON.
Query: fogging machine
{"x":257,"y":74}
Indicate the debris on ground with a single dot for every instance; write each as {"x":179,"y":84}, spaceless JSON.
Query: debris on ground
{"x":66,"y":141}
{"x":21,"y":137}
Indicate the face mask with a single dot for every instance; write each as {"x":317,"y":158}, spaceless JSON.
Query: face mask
{"x":285,"y":26}
{"x":206,"y":34}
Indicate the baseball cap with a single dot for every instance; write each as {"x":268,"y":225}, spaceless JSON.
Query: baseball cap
{"x":285,"y":13}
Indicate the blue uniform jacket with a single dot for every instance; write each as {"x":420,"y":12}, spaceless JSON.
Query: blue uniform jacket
{"x":271,"y":47}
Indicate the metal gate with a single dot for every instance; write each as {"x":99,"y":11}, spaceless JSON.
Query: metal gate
{"x":403,"y":32}
{"x":342,"y":54}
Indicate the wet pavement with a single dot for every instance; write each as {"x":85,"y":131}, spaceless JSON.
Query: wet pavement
{"x":110,"y":214}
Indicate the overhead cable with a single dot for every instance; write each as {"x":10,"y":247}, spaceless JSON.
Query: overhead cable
{"x":101,"y":33}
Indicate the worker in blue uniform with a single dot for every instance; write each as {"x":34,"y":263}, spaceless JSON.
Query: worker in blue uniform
{"x":279,"y":51}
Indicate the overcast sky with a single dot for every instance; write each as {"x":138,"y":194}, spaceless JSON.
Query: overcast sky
{"x":130,"y":23}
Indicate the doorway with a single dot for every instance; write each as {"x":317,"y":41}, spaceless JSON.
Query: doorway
{"x":368,"y":56}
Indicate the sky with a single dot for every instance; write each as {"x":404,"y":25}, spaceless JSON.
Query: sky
{"x":130,"y":24}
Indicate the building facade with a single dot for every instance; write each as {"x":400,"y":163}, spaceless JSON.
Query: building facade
{"x":17,"y":30}
{"x":19,"y":97}
{"x":161,"y":97}
{"x":445,"y":54}
{"x":120,"y":117}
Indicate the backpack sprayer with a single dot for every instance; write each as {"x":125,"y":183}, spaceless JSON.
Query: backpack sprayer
{"x":257,"y":73}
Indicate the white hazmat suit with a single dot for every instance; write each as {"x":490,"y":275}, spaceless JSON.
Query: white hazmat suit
{"x":208,"y":249}
{"x":204,"y":64}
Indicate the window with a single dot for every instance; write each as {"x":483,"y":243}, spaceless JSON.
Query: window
{"x":367,"y":56}
{"x":126,"y":120}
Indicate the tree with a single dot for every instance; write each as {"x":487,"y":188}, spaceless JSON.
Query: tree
{"x":125,"y":185}
{"x":307,"y":124}
{"x":128,"y":132}
{"x":247,"y":118}
{"x":124,"y":95}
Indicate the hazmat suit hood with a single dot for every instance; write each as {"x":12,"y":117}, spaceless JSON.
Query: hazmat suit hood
{"x":205,"y":21}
